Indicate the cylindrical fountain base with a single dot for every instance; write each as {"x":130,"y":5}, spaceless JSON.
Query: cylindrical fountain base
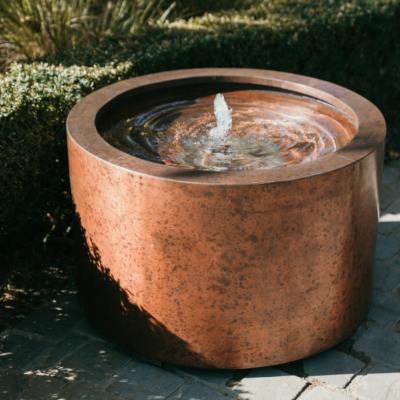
{"x":226,"y":270}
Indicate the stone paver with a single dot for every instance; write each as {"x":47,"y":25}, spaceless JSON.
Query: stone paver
{"x":10,"y":385}
{"x":269,"y":383}
{"x":145,"y":381}
{"x":322,"y":393}
{"x":83,"y":391}
{"x":14,"y":386}
{"x":377,"y":383}
{"x":210,"y":377}
{"x":381,"y":344}
{"x":387,"y":247}
{"x":389,"y":196}
{"x":17,"y":351}
{"x":389,"y":223}
{"x":54,"y":321}
{"x":387,"y":274}
{"x":332,"y":367}
{"x":197,"y":391}
{"x":56,"y":354}
{"x":95,"y":362}
{"x":394,"y":207}
{"x":385,"y":307}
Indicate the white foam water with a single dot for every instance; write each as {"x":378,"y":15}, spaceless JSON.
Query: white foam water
{"x":223,"y":118}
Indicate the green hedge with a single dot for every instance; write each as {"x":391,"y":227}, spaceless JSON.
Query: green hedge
{"x":353,"y":43}
{"x":34,"y":103}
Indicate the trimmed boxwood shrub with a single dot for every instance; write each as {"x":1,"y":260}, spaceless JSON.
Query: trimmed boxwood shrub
{"x":34,"y":103}
{"x":353,"y":43}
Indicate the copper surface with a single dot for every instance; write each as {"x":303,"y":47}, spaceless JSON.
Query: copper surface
{"x":225,"y":270}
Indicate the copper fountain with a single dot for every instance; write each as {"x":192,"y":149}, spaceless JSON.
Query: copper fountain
{"x":230,"y":269}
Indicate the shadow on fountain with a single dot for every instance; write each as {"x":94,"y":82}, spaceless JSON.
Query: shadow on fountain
{"x":109,"y":307}
{"x":189,"y":173}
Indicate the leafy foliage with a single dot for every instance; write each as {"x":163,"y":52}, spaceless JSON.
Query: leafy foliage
{"x":37,"y":28}
{"x":34,"y":103}
{"x":31,"y":29}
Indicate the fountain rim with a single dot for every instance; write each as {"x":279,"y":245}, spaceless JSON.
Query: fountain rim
{"x":369,"y":136}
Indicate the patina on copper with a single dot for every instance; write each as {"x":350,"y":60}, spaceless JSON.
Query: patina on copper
{"x":233,"y":269}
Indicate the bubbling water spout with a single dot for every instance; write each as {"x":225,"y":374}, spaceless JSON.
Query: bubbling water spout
{"x":223,"y":117}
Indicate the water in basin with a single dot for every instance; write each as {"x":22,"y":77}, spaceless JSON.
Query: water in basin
{"x":235,"y":130}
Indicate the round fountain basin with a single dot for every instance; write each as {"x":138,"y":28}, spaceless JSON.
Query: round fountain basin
{"x":266,"y":129}
{"x":245,"y":265}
